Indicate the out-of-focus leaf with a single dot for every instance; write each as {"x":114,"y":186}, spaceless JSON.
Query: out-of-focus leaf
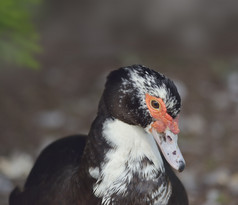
{"x":18,"y":37}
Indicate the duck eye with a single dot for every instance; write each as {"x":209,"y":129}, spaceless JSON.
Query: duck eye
{"x":155,"y":104}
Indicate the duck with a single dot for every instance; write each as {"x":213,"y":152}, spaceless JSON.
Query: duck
{"x":129,"y":155}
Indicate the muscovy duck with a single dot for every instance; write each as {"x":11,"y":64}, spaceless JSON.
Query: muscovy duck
{"x":126,"y":157}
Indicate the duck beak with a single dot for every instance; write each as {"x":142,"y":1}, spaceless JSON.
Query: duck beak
{"x":165,"y":130}
{"x":167,"y":142}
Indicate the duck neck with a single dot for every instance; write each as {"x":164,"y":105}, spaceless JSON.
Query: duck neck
{"x":125,"y":158}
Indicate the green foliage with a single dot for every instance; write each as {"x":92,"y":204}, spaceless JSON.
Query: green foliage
{"x":18,"y":37}
{"x":223,"y":198}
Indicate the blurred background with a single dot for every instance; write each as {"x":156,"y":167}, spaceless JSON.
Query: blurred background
{"x":54,"y":58}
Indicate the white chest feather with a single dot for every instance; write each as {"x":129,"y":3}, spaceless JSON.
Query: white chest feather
{"x":131,"y":144}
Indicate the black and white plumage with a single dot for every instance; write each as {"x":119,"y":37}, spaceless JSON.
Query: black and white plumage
{"x":121,"y":160}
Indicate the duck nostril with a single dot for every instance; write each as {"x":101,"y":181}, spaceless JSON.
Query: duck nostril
{"x":169,"y":138}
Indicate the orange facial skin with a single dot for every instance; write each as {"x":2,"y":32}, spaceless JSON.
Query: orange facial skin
{"x":163,"y":119}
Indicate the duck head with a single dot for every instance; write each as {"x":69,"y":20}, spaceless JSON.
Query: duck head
{"x":140,"y":96}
